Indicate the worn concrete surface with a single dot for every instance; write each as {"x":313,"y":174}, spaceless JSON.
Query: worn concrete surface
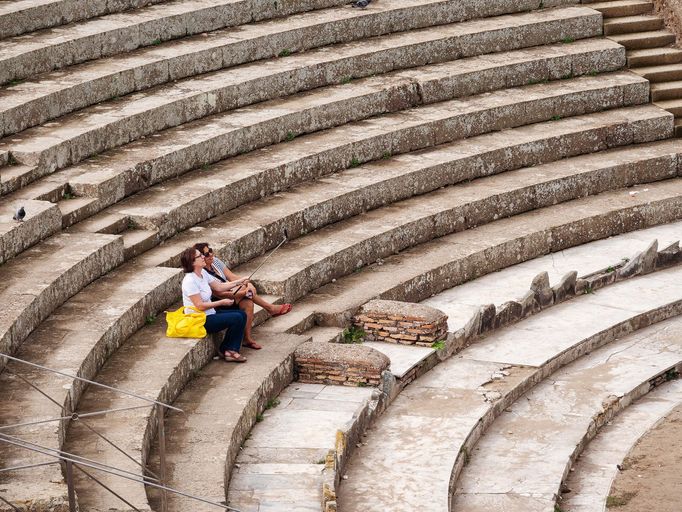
{"x":529,"y":449}
{"x":304,"y":425}
{"x":456,"y":400}
{"x":592,"y":476}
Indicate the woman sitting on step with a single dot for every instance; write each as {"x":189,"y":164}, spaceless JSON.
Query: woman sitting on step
{"x":244,"y":297}
{"x":198,"y":286}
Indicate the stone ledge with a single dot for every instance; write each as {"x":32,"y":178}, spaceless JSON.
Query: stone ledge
{"x":402,"y":322}
{"x":340,"y":364}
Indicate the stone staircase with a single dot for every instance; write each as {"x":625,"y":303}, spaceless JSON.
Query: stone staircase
{"x":406,"y":148}
{"x":651,"y":49}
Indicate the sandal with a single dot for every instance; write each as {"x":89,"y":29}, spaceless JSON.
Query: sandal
{"x":234,"y":357}
{"x":252,"y":344}
{"x":283,"y":309}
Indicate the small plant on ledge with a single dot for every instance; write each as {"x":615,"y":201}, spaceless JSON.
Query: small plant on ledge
{"x":353,"y":334}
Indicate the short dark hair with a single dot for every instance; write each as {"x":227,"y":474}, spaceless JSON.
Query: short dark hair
{"x":187,"y":259}
{"x":203,"y":248}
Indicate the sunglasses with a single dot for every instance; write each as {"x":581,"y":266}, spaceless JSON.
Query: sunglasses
{"x":200,"y":256}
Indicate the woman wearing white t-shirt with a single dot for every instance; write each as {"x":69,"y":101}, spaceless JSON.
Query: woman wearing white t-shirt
{"x":197,"y":288}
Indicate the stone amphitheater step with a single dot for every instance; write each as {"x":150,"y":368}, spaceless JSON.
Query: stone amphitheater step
{"x":462,"y":302}
{"x":108,"y":180}
{"x":24,"y":16}
{"x":43,"y":219}
{"x":180,"y":203}
{"x":629,"y":24}
{"x":654,"y":56}
{"x":89,"y":132}
{"x":77,"y":338}
{"x":341,"y":248}
{"x":457,"y":400}
{"x":63,"y":265}
{"x":666,"y":91}
{"x":29,"y":54}
{"x":523,"y":457}
{"x":418,"y":273}
{"x":620,"y":8}
{"x":657,"y":74}
{"x":280,"y":466}
{"x":672,"y":106}
{"x":591,"y":477}
{"x":209,"y":433}
{"x":640,"y":40}
{"x":31,"y":103}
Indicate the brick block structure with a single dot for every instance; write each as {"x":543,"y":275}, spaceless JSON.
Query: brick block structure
{"x":340,"y":364}
{"x":402,"y":322}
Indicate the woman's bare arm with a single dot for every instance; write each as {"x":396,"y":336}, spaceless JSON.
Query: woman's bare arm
{"x":203,"y":306}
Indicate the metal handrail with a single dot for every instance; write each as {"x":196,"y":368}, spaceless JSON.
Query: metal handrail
{"x":76,"y":377}
{"x":71,"y":460}
{"x":76,"y":460}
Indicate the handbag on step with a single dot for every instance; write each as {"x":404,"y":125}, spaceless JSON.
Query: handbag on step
{"x":185,"y":325}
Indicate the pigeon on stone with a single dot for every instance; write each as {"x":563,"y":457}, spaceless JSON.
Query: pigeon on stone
{"x":20,"y":214}
{"x":361,"y":3}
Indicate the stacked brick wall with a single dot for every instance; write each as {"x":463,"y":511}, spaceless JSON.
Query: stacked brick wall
{"x":340,"y":364}
{"x":401,"y":322}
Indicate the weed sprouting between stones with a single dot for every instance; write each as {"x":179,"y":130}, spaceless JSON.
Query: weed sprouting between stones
{"x":346,"y":80}
{"x":619,"y":501}
{"x":272,"y":403}
{"x":290,"y":136}
{"x":284,"y":53}
{"x":259,"y":418}
{"x":438,"y":345}
{"x":567,"y":40}
{"x":353,"y":334}
{"x":354,"y":163}
{"x":150,"y":319}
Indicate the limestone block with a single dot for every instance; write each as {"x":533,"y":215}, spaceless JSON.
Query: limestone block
{"x":566,"y":287}
{"x":508,"y":313}
{"x":540,"y":287}
{"x":487,"y":318}
{"x":669,"y":256}
{"x":643,"y":263}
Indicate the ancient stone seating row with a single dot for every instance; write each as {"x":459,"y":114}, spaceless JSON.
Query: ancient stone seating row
{"x":154,"y":292}
{"x":290,"y":475}
{"x":605,"y":96}
{"x":174,"y":279}
{"x":29,"y":15}
{"x":109,"y":177}
{"x":558,"y":417}
{"x":459,"y":400}
{"x":54,"y":48}
{"x":590,"y":479}
{"x":102,"y":79}
{"x":67,"y":141}
{"x":414,"y":274}
{"x":650,"y":48}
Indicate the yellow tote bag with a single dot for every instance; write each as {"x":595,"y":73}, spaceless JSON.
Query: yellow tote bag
{"x":183,"y":325}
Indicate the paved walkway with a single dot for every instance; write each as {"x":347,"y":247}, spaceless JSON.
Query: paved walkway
{"x":592,"y":476}
{"x":412,"y":449}
{"x":280,"y":465}
{"x":520,"y":462}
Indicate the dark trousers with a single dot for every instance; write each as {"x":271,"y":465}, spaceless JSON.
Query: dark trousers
{"x":234,"y":321}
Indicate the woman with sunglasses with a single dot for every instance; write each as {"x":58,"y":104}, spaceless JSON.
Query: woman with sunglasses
{"x":244,"y":297}
{"x":198,"y":286}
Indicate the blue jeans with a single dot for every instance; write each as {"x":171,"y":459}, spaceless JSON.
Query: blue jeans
{"x":234,"y":321}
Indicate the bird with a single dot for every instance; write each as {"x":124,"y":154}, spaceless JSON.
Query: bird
{"x":20,"y":214}
{"x":361,"y":3}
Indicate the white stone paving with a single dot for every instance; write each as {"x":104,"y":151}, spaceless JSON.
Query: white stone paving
{"x":593,"y":475}
{"x":403,"y":357}
{"x":280,"y":465}
{"x":412,"y":448}
{"x":461,"y":302}
{"x":524,"y":454}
